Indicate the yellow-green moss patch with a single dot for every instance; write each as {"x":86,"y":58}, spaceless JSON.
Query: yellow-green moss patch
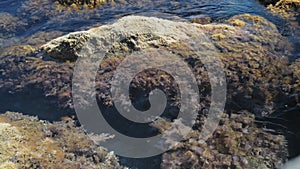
{"x":218,"y":36}
{"x":237,"y":22}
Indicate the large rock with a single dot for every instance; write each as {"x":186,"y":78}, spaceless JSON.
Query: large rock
{"x":250,"y":47}
{"x":253,"y":53}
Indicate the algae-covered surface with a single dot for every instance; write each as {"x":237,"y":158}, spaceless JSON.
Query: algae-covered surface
{"x":256,"y":41}
{"x":26,"y":142}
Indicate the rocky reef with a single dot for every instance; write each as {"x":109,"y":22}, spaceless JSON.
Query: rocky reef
{"x":255,"y":65}
{"x":9,"y":24}
{"x":250,"y":47}
{"x":236,"y":143}
{"x":77,"y":3}
{"x":286,"y":8}
{"x":26,"y":142}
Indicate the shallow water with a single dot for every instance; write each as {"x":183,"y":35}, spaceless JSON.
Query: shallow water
{"x":31,"y":18}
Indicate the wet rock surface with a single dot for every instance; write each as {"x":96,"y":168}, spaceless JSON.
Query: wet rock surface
{"x":76,"y":4}
{"x":286,"y":8}
{"x":246,"y":49}
{"x":27,"y":143}
{"x":236,"y":143}
{"x":255,"y":63}
{"x":9,"y":24}
{"x":289,"y":10}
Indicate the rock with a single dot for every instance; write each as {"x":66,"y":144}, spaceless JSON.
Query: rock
{"x":230,"y":148}
{"x":253,"y":53}
{"x":295,"y":68}
{"x":9,"y":25}
{"x":37,"y":39}
{"x":19,"y":50}
{"x":286,"y":8}
{"x":26,"y":142}
{"x":66,"y":47}
{"x":253,"y":56}
{"x":76,"y":4}
{"x":201,"y":19}
{"x":292,"y":87}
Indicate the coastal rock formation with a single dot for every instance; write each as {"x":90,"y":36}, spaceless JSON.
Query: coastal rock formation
{"x":250,"y":47}
{"x":252,"y":50}
{"x":286,"y":6}
{"x":9,"y":24}
{"x":27,"y":143}
{"x":87,"y":3}
{"x":236,"y":143}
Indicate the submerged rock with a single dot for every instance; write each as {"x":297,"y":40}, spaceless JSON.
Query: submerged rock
{"x":79,"y":3}
{"x":286,"y":8}
{"x":19,"y":50}
{"x":236,"y":143}
{"x":295,"y":68}
{"x":27,"y":143}
{"x":9,"y":25}
{"x":250,"y":47}
{"x":253,"y":53}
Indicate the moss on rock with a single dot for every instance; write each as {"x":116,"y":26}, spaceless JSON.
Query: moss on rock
{"x":236,"y":143}
{"x":286,"y":8}
{"x":9,"y":25}
{"x":26,"y":142}
{"x":254,"y":58}
{"x":254,"y":63}
{"x":77,"y":4}
{"x":237,"y":22}
{"x":19,"y":50}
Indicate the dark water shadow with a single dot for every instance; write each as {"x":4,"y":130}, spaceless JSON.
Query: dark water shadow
{"x":32,"y":103}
